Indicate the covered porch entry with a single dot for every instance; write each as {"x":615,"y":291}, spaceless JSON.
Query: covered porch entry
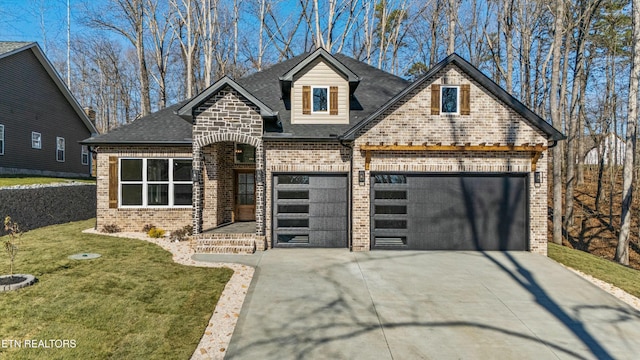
{"x":228,"y":200}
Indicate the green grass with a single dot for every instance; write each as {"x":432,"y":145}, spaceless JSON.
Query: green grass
{"x":33,"y":180}
{"x":621,"y":276}
{"x":134,"y":302}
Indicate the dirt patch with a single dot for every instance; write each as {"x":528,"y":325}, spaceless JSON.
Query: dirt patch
{"x":596,"y":228}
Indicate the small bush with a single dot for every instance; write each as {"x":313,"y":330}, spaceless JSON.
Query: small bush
{"x":155,"y":232}
{"x":147,"y":228}
{"x":178,"y":235}
{"x":110,"y":228}
{"x":188,"y":229}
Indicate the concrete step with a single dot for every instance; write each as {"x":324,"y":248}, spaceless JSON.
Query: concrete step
{"x":225,"y":244}
{"x":224,"y":249}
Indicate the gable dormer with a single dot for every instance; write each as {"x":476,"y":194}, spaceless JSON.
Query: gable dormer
{"x":319,"y":90}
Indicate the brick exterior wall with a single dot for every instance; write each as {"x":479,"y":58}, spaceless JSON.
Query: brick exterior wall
{"x":410,"y":120}
{"x":300,"y":157}
{"x":134,"y":219}
{"x":225,"y":118}
{"x":228,"y":117}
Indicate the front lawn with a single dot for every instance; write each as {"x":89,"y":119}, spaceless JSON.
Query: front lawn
{"x":7,"y":180}
{"x":134,"y":302}
{"x":625,"y":278}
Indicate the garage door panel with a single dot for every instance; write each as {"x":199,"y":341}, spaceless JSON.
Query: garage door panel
{"x":313,"y":212}
{"x":459,"y":212}
{"x":328,"y":209}
{"x":327,"y":223}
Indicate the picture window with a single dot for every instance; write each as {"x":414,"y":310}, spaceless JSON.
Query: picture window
{"x":156,"y":182}
{"x":450,"y":100}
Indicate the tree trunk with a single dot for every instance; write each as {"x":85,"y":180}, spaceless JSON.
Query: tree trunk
{"x":622,"y":250}
{"x":557,"y":122}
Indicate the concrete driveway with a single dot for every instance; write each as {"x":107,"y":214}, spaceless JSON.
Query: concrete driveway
{"x":334,"y":304}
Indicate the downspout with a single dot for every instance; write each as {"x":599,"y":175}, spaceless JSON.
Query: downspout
{"x":349,"y":193}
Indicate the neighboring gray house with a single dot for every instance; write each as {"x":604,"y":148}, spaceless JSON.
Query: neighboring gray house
{"x":611,"y":146}
{"x":323,"y":150}
{"x":41,"y":123}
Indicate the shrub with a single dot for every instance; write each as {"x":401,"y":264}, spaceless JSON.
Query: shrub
{"x":147,"y":228}
{"x":178,"y":235}
{"x":110,"y":228}
{"x":182,"y":234}
{"x":11,"y":240}
{"x":155,"y":232}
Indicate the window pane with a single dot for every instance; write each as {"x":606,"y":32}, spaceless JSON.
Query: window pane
{"x":390,"y":179}
{"x":293,"y":179}
{"x":449,"y":100}
{"x":131,"y":170}
{"x":182,"y":194}
{"x":158,"y":170}
{"x":293,"y":194}
{"x":293,"y":209}
{"x":158,"y":194}
{"x":320,"y":99}
{"x":132,"y":194}
{"x":389,"y":194}
{"x":182,"y":170}
{"x":245,"y":154}
{"x":293,"y":239}
{"x":391,"y":209}
{"x":391,"y":224}
{"x":293,"y":222}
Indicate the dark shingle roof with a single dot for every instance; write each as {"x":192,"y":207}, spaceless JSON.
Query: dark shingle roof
{"x":166,"y":127}
{"x":376,"y":87}
{"x":9,"y":46}
{"x":162,"y":127}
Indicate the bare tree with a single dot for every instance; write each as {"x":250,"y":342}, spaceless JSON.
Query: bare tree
{"x":622,"y":250}
{"x":557,"y":120}
{"x":127,"y":18}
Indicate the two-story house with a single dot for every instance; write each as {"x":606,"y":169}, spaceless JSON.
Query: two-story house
{"x":41,"y":123}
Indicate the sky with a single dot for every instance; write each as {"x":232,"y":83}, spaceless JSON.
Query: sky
{"x":37,"y":20}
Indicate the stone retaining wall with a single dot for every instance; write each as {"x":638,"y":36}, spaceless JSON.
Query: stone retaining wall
{"x":35,"y":207}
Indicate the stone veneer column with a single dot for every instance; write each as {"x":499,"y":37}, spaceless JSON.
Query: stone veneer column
{"x":197,"y":189}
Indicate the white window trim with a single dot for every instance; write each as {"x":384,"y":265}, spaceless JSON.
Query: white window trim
{"x":313,"y":111}
{"x":457,"y":87}
{"x":145,"y":182}
{"x":84,"y":152}
{"x":64,"y":145}
{"x":1,"y":139}
{"x":36,"y":143}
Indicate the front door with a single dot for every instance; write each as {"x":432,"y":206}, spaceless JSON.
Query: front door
{"x":245,"y":190}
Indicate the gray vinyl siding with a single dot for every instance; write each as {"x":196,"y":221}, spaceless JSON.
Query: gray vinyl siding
{"x":31,"y":101}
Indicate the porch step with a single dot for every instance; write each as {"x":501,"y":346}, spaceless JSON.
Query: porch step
{"x":225,"y":244}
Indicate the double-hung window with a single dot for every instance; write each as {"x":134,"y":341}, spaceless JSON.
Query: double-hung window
{"x":85,"y":155}
{"x":1,"y":139}
{"x":36,"y":140}
{"x":60,"y":149}
{"x":155,"y":182}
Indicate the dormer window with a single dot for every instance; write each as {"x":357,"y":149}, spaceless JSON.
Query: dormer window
{"x":320,"y":99}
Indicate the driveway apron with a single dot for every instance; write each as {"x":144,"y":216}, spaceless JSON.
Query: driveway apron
{"x":336,"y":304}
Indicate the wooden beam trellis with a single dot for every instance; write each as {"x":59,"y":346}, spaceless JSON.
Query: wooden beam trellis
{"x":536,"y":150}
